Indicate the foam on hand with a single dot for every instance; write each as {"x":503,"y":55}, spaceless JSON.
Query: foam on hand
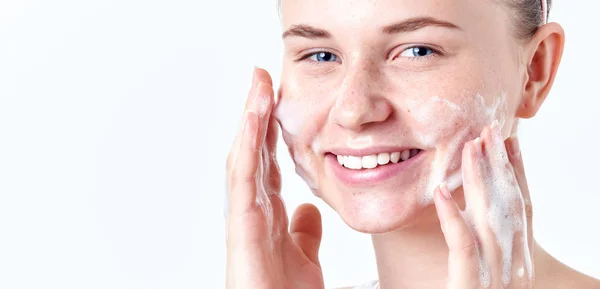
{"x":506,"y":214}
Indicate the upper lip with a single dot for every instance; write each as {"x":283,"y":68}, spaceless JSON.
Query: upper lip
{"x":360,"y":152}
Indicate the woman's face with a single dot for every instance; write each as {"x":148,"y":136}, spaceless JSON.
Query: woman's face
{"x":378,"y":97}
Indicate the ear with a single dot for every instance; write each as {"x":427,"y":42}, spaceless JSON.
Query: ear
{"x":544,"y":52}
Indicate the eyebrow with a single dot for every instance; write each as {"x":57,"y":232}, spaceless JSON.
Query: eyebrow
{"x":306,"y":31}
{"x":416,"y":23}
{"x":408,"y":25}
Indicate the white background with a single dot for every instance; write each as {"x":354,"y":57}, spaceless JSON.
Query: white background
{"x":116,"y":117}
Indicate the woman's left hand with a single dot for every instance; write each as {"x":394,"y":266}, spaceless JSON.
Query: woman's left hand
{"x":490,"y":242}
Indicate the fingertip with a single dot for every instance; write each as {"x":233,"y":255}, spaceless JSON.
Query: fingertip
{"x":441,"y":203}
{"x":307,"y":212}
{"x":513,"y":148}
{"x":445,"y":192}
{"x":471,"y":151}
{"x":477,"y":147}
{"x":263,"y":75}
{"x":307,"y":220}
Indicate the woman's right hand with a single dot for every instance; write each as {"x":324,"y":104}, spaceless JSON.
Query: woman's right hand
{"x":261,"y":253}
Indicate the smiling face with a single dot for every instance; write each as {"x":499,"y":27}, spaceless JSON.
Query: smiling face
{"x":378,"y":97}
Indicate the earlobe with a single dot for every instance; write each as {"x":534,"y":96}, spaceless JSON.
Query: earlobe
{"x":545,"y":53}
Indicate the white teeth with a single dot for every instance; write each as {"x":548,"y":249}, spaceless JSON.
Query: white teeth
{"x":395,"y":157}
{"x":405,"y":155}
{"x":369,"y":162}
{"x":372,"y":161}
{"x":383,"y":158}
{"x":352,"y":162}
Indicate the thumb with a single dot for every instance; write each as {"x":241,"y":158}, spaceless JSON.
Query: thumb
{"x":306,"y":230}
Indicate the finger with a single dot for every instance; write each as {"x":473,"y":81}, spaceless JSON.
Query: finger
{"x":306,"y":231}
{"x":231,"y":158}
{"x":242,"y":193}
{"x":479,"y":175}
{"x":258,"y":108}
{"x":263,"y":104}
{"x":473,"y":172}
{"x":272,"y":167}
{"x":263,"y":76}
{"x":522,"y":268}
{"x":463,"y":260}
{"x":270,"y":152}
{"x":259,"y":75}
{"x":525,"y":237}
{"x":514,"y":156}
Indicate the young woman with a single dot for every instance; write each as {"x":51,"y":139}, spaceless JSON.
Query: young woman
{"x":402,"y":116}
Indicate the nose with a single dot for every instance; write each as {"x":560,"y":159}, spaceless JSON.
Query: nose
{"x":361,"y":102}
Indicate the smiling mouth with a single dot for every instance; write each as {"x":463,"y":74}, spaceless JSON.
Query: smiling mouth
{"x":376,"y":160}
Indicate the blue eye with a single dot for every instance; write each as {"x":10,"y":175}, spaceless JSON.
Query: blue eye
{"x":323,"y":57}
{"x":417,"y":51}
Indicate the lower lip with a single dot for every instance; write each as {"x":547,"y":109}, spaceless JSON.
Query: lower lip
{"x":373,"y":176}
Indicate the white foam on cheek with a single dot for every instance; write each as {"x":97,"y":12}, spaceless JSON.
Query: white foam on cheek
{"x":444,"y":163}
{"x":426,"y":113}
{"x":292,"y":120}
{"x":436,"y":117}
{"x":305,"y":166}
{"x":290,"y":116}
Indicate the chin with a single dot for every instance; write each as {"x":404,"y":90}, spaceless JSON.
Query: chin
{"x":374,"y":211}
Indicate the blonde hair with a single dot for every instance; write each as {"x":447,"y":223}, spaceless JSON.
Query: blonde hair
{"x":527,"y":15}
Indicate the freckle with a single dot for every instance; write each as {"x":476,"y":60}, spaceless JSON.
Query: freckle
{"x":408,"y":110}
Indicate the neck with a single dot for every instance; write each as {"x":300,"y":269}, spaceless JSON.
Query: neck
{"x":413,"y":257}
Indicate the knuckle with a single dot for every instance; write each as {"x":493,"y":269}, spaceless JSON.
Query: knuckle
{"x":467,"y":246}
{"x":528,"y":210}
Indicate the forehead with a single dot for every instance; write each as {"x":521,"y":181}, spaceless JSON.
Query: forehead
{"x":360,"y":15}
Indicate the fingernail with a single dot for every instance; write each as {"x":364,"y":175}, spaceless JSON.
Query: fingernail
{"x":445,"y":192}
{"x":494,"y":124}
{"x":478,"y":146}
{"x":515,"y":150}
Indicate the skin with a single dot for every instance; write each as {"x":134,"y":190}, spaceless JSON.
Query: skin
{"x":366,"y":97}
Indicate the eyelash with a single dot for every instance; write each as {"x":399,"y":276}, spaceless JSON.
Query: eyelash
{"x":435,"y":53}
